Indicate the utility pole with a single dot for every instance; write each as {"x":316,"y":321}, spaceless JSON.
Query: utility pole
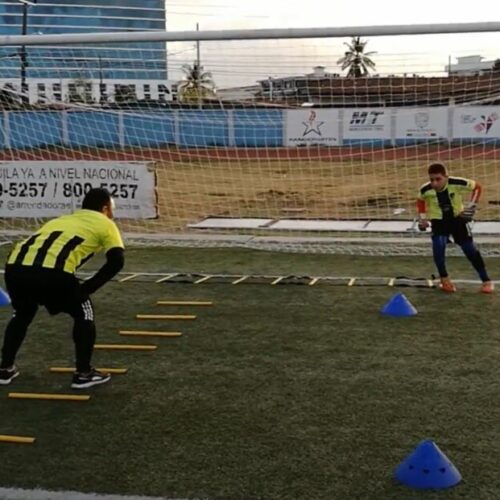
{"x":198,"y":58}
{"x":23,"y":54}
{"x":24,"y":62}
{"x":102,"y":89}
{"x":198,"y":69}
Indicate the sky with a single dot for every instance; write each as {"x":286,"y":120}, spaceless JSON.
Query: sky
{"x":245,"y":62}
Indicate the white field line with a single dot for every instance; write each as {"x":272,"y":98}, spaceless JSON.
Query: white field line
{"x":22,"y":494}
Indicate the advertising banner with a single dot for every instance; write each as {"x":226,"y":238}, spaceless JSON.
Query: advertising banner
{"x":422,"y":123}
{"x":53,"y":188}
{"x":312,"y":126}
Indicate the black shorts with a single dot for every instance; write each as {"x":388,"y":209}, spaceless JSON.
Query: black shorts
{"x":457,"y":227}
{"x":33,"y":286}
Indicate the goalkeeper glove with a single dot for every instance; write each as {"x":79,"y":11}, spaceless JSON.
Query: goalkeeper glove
{"x":469,"y":212}
{"x":423,"y":224}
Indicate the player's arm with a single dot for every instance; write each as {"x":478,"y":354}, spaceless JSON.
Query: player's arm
{"x":115,"y":259}
{"x":112,"y":244}
{"x":423,"y":223}
{"x":470,"y":209}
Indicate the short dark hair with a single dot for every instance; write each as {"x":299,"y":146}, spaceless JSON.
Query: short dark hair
{"x":96,"y":199}
{"x":437,"y":168}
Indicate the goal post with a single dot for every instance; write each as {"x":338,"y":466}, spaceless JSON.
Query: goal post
{"x":270,"y":139}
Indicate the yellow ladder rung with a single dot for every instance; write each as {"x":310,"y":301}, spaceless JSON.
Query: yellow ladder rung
{"x":16,"y":439}
{"x":391,"y":282}
{"x":277,"y":280}
{"x":201,"y":280}
{"x":351,"y":282}
{"x":113,"y":371}
{"x":126,"y":347}
{"x":183,"y":303}
{"x":239,"y":280}
{"x":165,"y":278}
{"x":47,"y":397}
{"x":313,"y":281}
{"x":127,"y":278}
{"x":145,"y":333}
{"x":165,"y":316}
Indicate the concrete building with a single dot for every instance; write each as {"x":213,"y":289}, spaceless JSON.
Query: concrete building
{"x":54,"y":72}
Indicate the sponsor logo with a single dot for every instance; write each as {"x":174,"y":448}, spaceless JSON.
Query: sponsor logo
{"x":485,"y":123}
{"x":422,"y":119}
{"x":312,"y":125}
{"x":366,"y":121}
{"x":422,"y":128}
{"x":366,"y":117}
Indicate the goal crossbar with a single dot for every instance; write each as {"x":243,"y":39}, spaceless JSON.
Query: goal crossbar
{"x":256,"y":34}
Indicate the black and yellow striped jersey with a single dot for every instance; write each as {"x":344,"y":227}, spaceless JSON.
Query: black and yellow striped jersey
{"x":67,"y":242}
{"x":449,"y":201}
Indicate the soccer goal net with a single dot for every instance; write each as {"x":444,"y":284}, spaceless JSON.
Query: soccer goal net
{"x":311,"y":142}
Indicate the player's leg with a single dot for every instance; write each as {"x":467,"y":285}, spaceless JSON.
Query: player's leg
{"x":84,"y":335}
{"x":18,"y":285}
{"x":463,"y":237}
{"x":440,"y":238}
{"x":64,"y":294}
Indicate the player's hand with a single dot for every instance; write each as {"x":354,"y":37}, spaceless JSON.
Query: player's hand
{"x":469,"y":212}
{"x":423,"y":224}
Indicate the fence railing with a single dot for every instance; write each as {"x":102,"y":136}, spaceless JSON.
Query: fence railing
{"x":248,"y":128}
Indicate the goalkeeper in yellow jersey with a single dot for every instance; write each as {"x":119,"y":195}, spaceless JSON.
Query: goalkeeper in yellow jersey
{"x":440,"y":205}
{"x":40,"y":271}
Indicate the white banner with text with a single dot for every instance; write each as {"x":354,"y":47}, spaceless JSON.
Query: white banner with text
{"x":422,"y":123}
{"x":476,"y":122}
{"x":312,"y":126}
{"x":53,"y":188}
{"x":363,"y":124}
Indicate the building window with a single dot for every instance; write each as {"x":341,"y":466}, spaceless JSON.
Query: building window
{"x":87,"y":92}
{"x":162,"y":92}
{"x":147,"y":91}
{"x":125,"y":93}
{"x":41,"y":90}
{"x":103,"y":93}
{"x":56,"y":92}
{"x":72,"y":93}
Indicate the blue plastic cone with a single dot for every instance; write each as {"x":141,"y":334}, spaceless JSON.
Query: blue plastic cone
{"x":4,"y":298}
{"x":398,"y":305}
{"x":427,"y":468}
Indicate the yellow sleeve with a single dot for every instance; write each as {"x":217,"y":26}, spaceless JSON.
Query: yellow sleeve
{"x":463,"y":184}
{"x":471,"y":184}
{"x":112,"y":237}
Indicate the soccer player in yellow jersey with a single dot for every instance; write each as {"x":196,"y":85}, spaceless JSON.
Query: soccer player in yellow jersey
{"x":441,"y":201}
{"x":40,"y":271}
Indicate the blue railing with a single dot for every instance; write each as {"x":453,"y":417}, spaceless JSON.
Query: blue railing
{"x":183,"y":128}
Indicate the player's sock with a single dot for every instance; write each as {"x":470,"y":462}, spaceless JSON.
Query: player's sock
{"x":84,"y":334}
{"x":439,"y":253}
{"x":474,"y":255}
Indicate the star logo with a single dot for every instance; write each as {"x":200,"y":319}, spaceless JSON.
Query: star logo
{"x":312,"y":125}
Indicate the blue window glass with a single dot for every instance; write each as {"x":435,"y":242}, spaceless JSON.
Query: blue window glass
{"x":109,"y":61}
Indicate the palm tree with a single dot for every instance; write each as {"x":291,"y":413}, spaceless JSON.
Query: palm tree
{"x":356,"y":59}
{"x":197,"y":83}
